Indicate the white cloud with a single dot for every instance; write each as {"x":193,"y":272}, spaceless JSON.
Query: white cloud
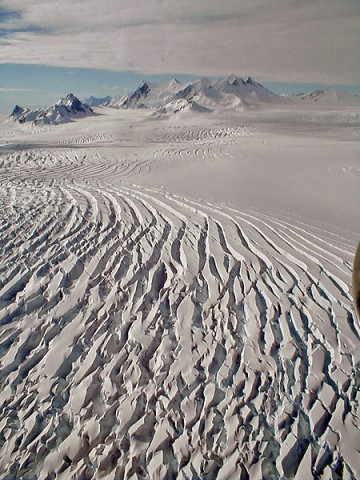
{"x":15,"y":90}
{"x":278,"y":40}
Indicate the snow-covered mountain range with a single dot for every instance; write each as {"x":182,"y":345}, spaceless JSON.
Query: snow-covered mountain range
{"x":332,"y":97}
{"x":202,"y":95}
{"x":230,"y":93}
{"x":62,"y":112}
{"x":148,"y":95}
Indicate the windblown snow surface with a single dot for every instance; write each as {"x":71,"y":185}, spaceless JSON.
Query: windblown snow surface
{"x":176,"y":296}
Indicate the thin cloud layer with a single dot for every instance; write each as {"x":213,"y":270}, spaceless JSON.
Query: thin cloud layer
{"x":15,"y":90}
{"x":281,"y":40}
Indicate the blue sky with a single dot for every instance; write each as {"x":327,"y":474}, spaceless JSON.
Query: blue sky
{"x":107,"y":47}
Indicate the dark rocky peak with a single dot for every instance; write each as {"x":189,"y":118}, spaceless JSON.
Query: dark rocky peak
{"x":250,"y":81}
{"x":17,"y":111}
{"x":73,"y":103}
{"x":142,"y":91}
{"x":232,"y":80}
{"x":186,"y":93}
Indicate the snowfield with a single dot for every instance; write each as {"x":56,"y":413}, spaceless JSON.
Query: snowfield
{"x":176,"y":298}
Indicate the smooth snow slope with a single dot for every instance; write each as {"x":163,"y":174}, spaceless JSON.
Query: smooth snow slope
{"x":176,"y":297}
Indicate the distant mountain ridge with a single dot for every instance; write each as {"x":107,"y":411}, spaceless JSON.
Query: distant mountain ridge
{"x":331,"y":97}
{"x":230,"y":93}
{"x":96,"y":102}
{"x":61,"y":112}
{"x":148,"y":95}
{"x":201,"y":95}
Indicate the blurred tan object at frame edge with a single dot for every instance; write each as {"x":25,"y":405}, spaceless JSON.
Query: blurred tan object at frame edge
{"x":356,"y":282}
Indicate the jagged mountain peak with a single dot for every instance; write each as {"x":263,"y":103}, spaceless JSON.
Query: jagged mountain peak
{"x":17,"y":110}
{"x":173,"y":84}
{"x":61,"y":112}
{"x":233,"y":80}
{"x":140,"y":93}
{"x":144,"y":86}
{"x":251,"y":81}
{"x":73,"y":103}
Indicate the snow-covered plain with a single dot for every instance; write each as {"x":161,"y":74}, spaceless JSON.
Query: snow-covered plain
{"x":176,"y":295}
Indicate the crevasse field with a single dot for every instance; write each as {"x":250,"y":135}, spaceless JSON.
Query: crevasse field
{"x":176,"y":296}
